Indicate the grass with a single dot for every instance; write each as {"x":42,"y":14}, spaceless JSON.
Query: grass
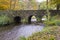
{"x":22,"y":38}
{"x":48,"y":33}
{"x":53,"y":21}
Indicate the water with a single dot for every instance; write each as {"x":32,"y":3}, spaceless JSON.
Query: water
{"x":13,"y":32}
{"x":27,"y":30}
{"x":33,"y":20}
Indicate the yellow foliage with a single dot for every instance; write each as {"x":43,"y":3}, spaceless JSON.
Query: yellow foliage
{"x":16,"y":5}
{"x":4,"y":4}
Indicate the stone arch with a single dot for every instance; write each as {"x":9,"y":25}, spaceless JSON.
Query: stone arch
{"x":44,"y":18}
{"x":39,"y":18}
{"x":17,"y":19}
{"x":30,"y":17}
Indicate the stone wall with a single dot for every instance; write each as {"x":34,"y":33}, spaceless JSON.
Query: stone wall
{"x":25,"y":14}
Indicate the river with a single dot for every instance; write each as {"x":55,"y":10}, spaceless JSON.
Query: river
{"x":12,"y":32}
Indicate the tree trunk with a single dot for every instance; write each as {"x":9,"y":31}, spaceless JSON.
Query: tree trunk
{"x":14,"y":5}
{"x":58,"y":5}
{"x":10,"y":4}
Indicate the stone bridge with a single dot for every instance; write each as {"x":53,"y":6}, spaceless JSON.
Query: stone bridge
{"x":19,"y":15}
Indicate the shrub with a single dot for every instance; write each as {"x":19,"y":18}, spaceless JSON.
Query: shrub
{"x":58,"y":22}
{"x":53,"y":21}
{"x":5,"y":20}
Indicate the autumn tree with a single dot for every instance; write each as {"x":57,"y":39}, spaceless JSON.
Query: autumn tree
{"x":57,"y":2}
{"x":8,"y":4}
{"x":4,"y":4}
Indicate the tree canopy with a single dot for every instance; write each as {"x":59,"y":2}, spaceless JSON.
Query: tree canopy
{"x":4,"y":4}
{"x":55,"y":1}
{"x":26,"y":4}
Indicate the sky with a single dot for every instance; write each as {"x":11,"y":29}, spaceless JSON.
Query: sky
{"x":40,"y":0}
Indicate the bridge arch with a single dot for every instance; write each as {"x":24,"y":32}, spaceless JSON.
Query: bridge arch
{"x":32,"y":18}
{"x":17,"y":19}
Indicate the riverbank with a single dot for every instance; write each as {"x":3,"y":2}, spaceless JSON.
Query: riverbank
{"x":12,"y":32}
{"x":48,"y":33}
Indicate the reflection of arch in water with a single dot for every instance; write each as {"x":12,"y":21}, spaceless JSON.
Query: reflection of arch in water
{"x":17,"y":19}
{"x":32,"y":18}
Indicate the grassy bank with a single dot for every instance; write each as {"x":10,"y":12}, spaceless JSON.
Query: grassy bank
{"x":48,"y":33}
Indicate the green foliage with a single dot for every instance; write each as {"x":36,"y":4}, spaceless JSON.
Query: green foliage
{"x":43,"y":6}
{"x":4,"y":19}
{"x":22,"y":38}
{"x":52,"y":21}
{"x":55,"y":1}
{"x":24,"y":20}
{"x":58,"y":22}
